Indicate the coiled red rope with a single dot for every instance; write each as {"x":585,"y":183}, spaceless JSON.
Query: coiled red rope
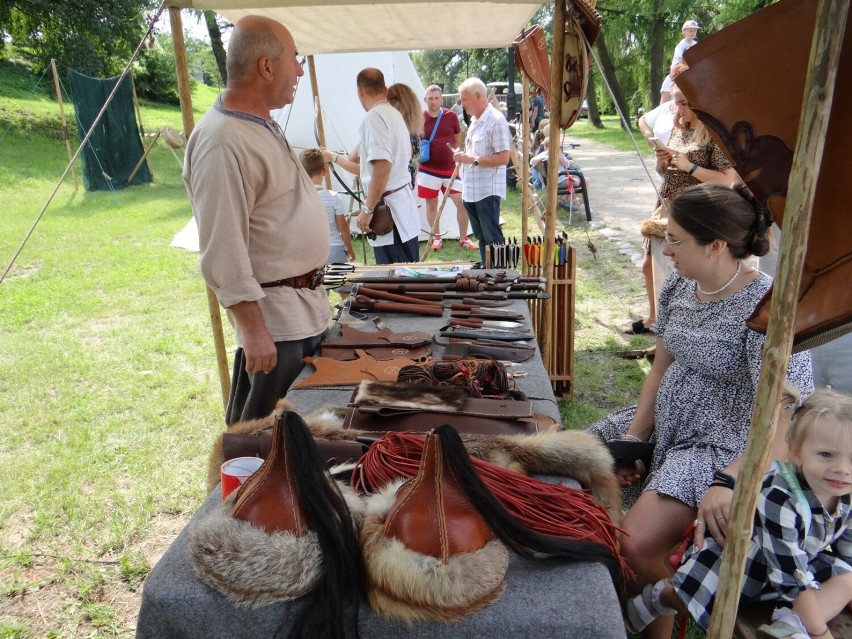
{"x":548,"y":509}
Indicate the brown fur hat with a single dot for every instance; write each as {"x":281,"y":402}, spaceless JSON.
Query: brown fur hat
{"x":413,"y":586}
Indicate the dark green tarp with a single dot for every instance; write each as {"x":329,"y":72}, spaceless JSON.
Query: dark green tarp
{"x":115,"y":146}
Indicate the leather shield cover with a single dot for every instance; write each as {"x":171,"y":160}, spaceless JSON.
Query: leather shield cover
{"x":746,"y":83}
{"x":531,"y":56}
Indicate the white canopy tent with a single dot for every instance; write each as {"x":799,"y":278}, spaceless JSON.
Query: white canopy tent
{"x":339,"y":26}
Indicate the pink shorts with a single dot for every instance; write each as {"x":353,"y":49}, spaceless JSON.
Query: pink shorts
{"x":429,"y":185}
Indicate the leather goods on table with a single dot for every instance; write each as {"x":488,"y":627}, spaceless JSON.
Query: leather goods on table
{"x":398,"y":406}
{"x":332,"y":452}
{"x":478,"y":377}
{"x":753,"y":113}
{"x":427,"y":551}
{"x":332,"y":372}
{"x":502,"y":351}
{"x":382,"y":221}
{"x":515,"y":335}
{"x":381,"y":345}
{"x":364,"y":303}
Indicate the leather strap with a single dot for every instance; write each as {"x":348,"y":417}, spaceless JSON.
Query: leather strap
{"x":386,"y":193}
{"x":311,"y":280}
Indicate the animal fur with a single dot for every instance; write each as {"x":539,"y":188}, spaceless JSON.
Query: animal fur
{"x":410,"y":586}
{"x":252,"y":567}
{"x":444,"y":398}
{"x":653,"y":227}
{"x":566,"y":453}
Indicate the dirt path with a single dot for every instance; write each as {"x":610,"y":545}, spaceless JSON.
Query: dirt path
{"x":620,"y":192}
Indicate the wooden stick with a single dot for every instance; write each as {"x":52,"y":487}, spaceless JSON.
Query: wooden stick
{"x":142,"y":159}
{"x":136,"y":106}
{"x":64,"y":123}
{"x":813,"y":126}
{"x":556,"y":75}
{"x":312,"y":71}
{"x":182,"y":72}
{"x":525,"y":176}
{"x":436,"y":225}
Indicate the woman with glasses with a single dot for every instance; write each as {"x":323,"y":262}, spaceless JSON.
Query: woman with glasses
{"x":689,"y":157}
{"x":697,"y":401}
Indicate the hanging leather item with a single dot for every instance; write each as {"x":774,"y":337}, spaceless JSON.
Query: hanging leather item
{"x":381,"y":345}
{"x":427,"y":552}
{"x":531,"y":56}
{"x":752,"y":112}
{"x":331,"y":372}
{"x":575,"y":72}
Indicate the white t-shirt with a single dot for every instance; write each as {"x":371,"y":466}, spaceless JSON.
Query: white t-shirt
{"x":661,"y":120}
{"x":384,"y":136}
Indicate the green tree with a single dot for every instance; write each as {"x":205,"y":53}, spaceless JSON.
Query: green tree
{"x":95,"y":37}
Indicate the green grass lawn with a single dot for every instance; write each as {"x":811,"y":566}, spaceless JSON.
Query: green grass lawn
{"x":109,"y":395}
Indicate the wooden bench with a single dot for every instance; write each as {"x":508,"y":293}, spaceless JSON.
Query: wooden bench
{"x":752,"y":616}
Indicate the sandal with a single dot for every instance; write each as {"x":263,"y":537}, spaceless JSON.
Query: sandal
{"x":638,"y":328}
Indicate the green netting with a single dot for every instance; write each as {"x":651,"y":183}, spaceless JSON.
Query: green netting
{"x":114,"y":148}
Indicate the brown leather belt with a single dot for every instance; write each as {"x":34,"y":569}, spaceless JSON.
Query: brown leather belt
{"x":386,"y":193}
{"x":310,"y":280}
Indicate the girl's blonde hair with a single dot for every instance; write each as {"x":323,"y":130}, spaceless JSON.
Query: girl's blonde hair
{"x":702,"y":135}
{"x":823,"y":403}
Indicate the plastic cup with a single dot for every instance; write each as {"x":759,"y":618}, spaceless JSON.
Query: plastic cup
{"x":235,"y":472}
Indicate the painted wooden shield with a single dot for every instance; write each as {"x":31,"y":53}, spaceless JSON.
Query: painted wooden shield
{"x":575,"y":77}
{"x":746,"y":83}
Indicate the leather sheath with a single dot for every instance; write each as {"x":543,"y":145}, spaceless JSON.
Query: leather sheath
{"x":531,"y":56}
{"x":332,"y":452}
{"x":501,"y":351}
{"x":267,"y":499}
{"x":484,"y":333}
{"x":381,"y":345}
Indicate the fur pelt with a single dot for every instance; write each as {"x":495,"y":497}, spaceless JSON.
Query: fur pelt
{"x":653,"y":227}
{"x":400,"y":394}
{"x":408,"y":585}
{"x":566,"y":453}
{"x":252,"y":567}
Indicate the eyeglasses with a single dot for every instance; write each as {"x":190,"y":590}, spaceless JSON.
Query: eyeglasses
{"x":673,"y":242}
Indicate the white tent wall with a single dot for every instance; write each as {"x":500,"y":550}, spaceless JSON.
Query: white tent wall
{"x":342,"y":113}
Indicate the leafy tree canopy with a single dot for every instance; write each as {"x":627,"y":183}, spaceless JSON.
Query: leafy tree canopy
{"x":95,"y":37}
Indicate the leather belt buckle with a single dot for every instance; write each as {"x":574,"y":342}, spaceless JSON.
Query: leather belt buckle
{"x":316,"y":279}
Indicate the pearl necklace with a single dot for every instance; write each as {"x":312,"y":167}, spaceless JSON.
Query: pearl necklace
{"x":726,"y":285}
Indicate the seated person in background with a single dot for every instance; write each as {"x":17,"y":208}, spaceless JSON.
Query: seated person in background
{"x":696,"y":403}
{"x":340,"y":244}
{"x":565,"y":164}
{"x":801,"y":544}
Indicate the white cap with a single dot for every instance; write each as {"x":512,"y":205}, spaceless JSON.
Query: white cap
{"x":690,"y":24}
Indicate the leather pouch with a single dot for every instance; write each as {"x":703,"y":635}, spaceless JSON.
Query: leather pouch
{"x":625,"y":452}
{"x":382,"y":221}
{"x":381,"y":345}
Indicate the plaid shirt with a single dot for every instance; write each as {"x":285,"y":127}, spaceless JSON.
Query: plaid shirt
{"x":783,"y":558}
{"x":488,"y":134}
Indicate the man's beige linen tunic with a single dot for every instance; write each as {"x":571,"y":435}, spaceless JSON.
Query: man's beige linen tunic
{"x":259,"y":220}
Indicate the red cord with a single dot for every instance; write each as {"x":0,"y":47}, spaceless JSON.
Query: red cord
{"x":548,"y":509}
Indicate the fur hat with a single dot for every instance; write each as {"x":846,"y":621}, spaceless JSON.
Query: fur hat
{"x":289,"y":530}
{"x":427,"y":552}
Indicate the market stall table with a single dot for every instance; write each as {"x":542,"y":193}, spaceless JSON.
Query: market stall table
{"x":541,"y":599}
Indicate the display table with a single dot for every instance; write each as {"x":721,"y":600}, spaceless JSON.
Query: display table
{"x":541,"y":599}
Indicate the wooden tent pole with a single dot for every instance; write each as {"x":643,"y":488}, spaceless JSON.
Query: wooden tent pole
{"x":556,"y":74}
{"x":312,"y":71}
{"x":64,"y":123}
{"x":525,"y":169}
{"x":813,"y":125}
{"x":188,"y":124}
{"x":136,"y":106}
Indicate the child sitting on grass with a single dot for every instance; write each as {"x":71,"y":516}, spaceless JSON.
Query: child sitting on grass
{"x":801,"y":545}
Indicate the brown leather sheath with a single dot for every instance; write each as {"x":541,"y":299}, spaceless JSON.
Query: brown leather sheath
{"x":381,"y":345}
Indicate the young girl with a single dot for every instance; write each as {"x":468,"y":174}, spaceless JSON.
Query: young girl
{"x":801,"y":547}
